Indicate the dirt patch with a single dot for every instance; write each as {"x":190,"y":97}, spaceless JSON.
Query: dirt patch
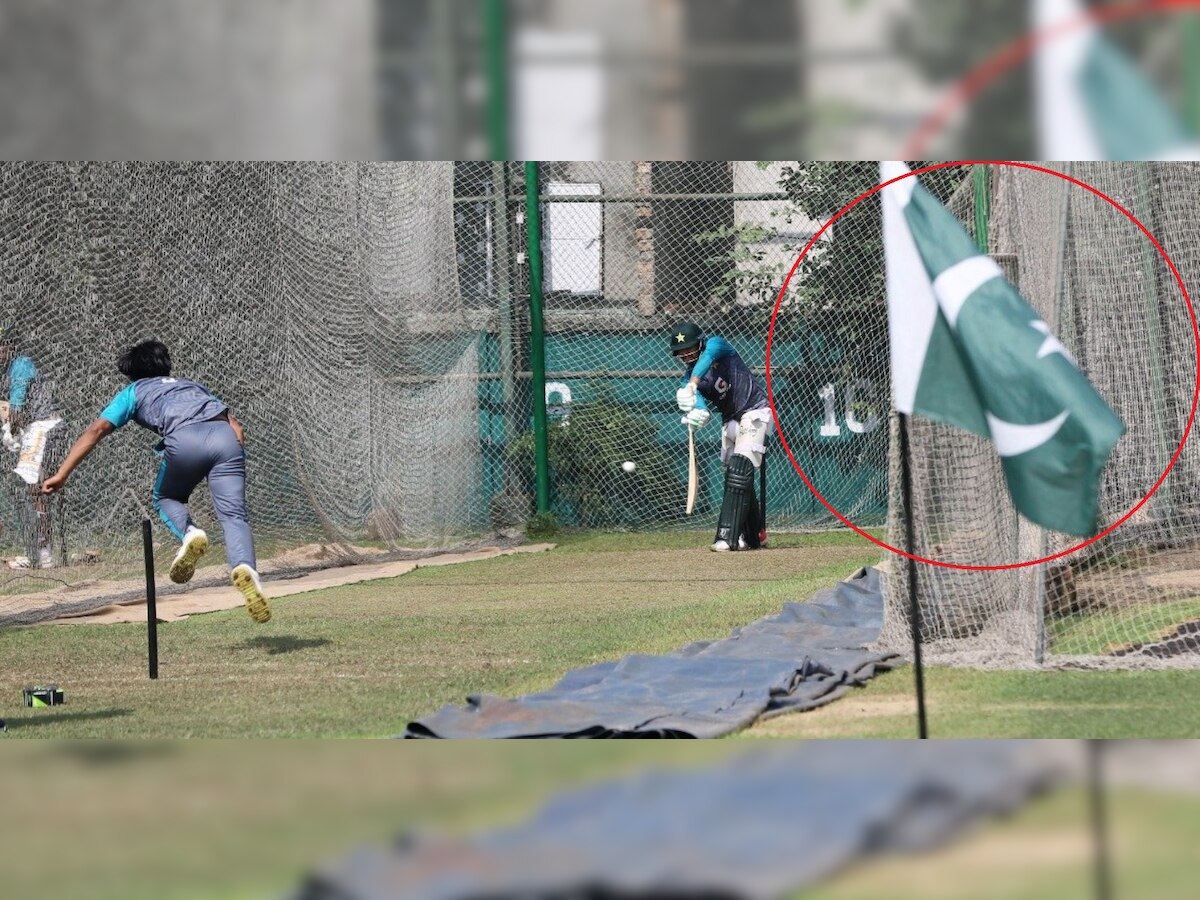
{"x":333,"y":565}
{"x":1141,"y":576}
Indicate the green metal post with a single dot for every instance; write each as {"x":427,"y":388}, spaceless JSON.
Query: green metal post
{"x":446,"y":73}
{"x":502,"y":275}
{"x":537,"y":337}
{"x":983,"y":205}
{"x":495,"y":30}
{"x":1189,"y":35}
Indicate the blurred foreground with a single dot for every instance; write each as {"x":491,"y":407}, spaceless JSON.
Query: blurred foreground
{"x":573,"y":79}
{"x":215,"y":820}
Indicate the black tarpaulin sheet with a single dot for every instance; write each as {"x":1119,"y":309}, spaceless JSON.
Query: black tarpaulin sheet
{"x":759,"y":825}
{"x":807,"y":655}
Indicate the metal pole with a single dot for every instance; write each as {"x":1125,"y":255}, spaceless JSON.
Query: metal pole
{"x":914,"y":607}
{"x":1096,"y":803}
{"x":496,"y":54}
{"x":635,"y":198}
{"x":537,"y":337}
{"x":983,"y":205}
{"x":445,"y":65}
{"x":502,"y":254}
{"x":1153,"y":316}
{"x":151,"y":610}
{"x":1189,"y":34}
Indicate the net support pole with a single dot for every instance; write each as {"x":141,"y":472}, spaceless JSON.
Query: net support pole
{"x":1163,"y":445}
{"x":983,"y":205}
{"x":502,"y":274}
{"x":1099,"y":815}
{"x":1189,"y":36}
{"x":151,"y":610}
{"x":537,"y":337}
{"x":914,"y":606}
{"x":446,"y":72}
{"x":496,"y":54}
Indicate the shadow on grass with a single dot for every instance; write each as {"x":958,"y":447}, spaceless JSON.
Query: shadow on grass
{"x":114,"y":752}
{"x":283,"y":643}
{"x":55,"y":717}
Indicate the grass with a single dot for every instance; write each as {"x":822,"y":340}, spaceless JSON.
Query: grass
{"x":1046,"y":852}
{"x":364,"y":660}
{"x":215,"y":820}
{"x":1091,"y":633}
{"x":179,"y":820}
{"x":967,"y":703}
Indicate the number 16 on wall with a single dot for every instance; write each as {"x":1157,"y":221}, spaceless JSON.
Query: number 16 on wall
{"x":828,"y":394}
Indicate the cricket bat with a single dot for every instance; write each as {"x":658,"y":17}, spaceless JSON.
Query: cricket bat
{"x":693,"y":475}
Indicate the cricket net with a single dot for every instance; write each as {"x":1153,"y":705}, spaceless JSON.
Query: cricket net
{"x":631,"y":249}
{"x":320,"y":301}
{"x":370,"y":325}
{"x":1133,"y":597}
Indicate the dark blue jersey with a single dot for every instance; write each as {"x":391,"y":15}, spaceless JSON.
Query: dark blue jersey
{"x":163,"y":404}
{"x":725,"y":381}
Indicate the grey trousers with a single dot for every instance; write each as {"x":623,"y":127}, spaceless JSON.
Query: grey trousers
{"x":191,"y":454}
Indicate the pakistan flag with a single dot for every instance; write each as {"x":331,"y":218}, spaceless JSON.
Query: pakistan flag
{"x":968,"y":350}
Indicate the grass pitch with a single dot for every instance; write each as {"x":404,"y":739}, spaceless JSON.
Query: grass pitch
{"x":364,"y":660}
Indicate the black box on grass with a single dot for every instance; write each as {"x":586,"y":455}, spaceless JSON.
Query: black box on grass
{"x":42,"y":695}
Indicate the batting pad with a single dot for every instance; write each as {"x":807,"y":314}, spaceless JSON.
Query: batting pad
{"x":33,"y":449}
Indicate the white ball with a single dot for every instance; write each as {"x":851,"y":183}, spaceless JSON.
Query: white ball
{"x":628,"y":466}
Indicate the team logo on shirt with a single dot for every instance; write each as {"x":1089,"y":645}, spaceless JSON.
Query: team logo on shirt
{"x":721,"y":385}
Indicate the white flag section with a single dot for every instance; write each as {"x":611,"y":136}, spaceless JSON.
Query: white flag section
{"x":1092,"y":102}
{"x":967,"y":350}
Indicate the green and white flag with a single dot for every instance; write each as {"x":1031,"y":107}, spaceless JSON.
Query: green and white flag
{"x":968,"y":350}
{"x":1092,"y":101}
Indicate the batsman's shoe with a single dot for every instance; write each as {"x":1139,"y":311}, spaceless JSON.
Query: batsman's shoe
{"x":723,"y":546}
{"x":183,"y":567}
{"x":245,"y":579}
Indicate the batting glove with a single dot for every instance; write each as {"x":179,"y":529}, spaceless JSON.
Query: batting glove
{"x":686,"y":397}
{"x":697,"y":418}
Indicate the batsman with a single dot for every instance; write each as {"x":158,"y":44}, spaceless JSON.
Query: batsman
{"x":715,"y":375}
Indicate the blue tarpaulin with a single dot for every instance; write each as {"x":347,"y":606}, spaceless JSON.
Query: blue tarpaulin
{"x":764,"y":823}
{"x":805,"y":656}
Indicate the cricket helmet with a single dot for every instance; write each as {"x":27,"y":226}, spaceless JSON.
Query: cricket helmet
{"x":685,"y":336}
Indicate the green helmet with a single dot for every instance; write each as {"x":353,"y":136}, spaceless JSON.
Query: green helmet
{"x":685,"y":336}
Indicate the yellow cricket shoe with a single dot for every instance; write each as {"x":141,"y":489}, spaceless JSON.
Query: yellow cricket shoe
{"x":245,"y":579}
{"x":183,"y":567}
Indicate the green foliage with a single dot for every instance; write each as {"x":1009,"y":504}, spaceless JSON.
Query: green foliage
{"x":585,"y":455}
{"x":742,"y":265}
{"x":542,"y":525}
{"x":839,"y":287}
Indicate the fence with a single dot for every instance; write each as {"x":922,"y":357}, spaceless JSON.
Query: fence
{"x":1133,"y":597}
{"x":370,"y":324}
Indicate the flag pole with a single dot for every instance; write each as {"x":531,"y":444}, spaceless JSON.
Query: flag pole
{"x":1096,"y":803}
{"x":914,"y":607}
